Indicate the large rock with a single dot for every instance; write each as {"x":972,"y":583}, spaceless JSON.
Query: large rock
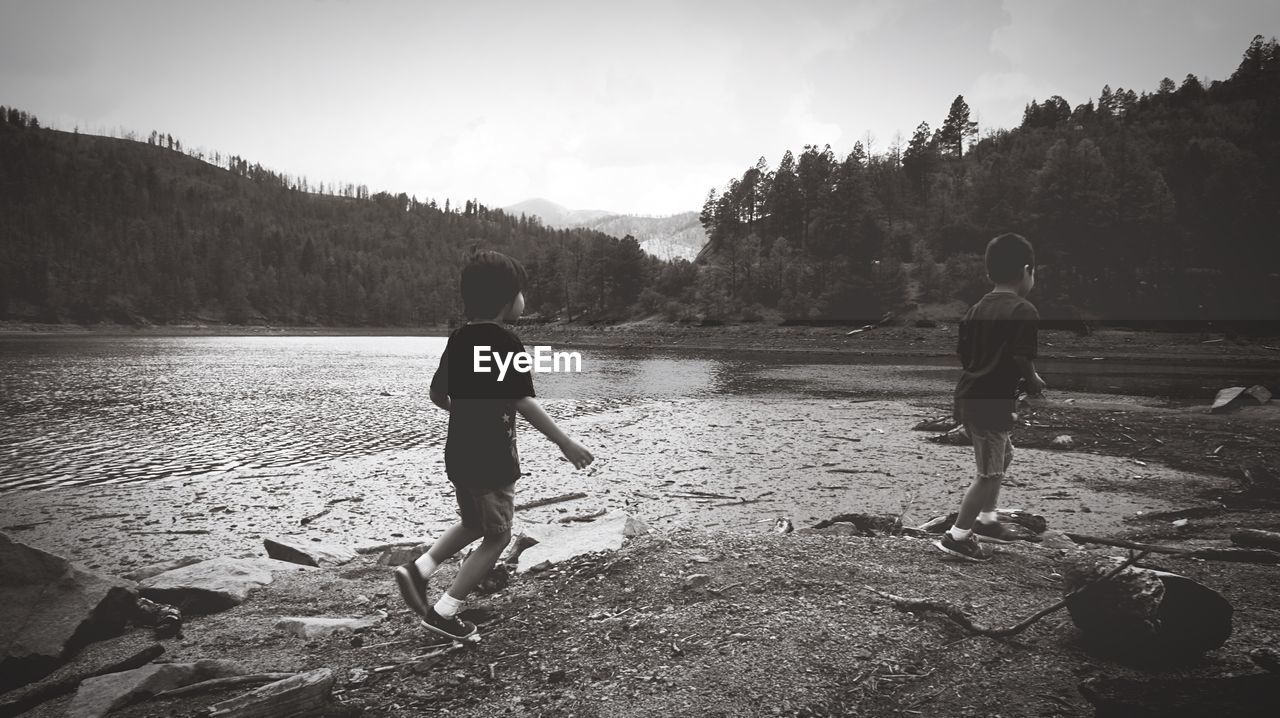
{"x":308,"y":553}
{"x":99,"y":695}
{"x":213,"y":585}
{"x":560,"y":543}
{"x":49,"y":609}
{"x":319,"y":627}
{"x":1145,"y":616}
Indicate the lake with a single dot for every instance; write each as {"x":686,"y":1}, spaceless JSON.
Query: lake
{"x":81,"y":410}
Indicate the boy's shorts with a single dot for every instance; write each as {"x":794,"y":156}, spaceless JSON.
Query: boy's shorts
{"x":488,"y":511}
{"x":992,"y":449}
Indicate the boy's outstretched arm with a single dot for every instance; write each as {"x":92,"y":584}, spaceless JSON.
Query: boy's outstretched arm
{"x":576,"y":453}
{"x":1027,"y":367}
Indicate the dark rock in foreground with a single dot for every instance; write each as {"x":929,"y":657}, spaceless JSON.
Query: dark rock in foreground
{"x":49,"y":609}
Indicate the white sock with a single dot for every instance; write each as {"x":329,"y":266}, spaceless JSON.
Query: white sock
{"x":988,"y":517}
{"x":426,"y":565}
{"x":959,"y":534}
{"x":448,"y":606}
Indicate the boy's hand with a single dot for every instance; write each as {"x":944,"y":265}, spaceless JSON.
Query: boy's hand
{"x":576,"y":454}
{"x":1036,"y":386}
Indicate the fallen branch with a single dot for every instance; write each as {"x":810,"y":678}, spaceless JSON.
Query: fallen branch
{"x":1234,"y":555}
{"x":308,"y":519}
{"x":41,"y":694}
{"x":551,"y":500}
{"x":956,"y":614}
{"x":214,"y":683}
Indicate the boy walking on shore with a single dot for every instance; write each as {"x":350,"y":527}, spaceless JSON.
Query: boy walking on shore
{"x":480,"y":453}
{"x":997,"y":348}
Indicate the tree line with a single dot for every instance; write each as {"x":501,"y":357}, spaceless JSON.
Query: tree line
{"x":1142,"y":205}
{"x":116,"y":229}
{"x":1151,"y":205}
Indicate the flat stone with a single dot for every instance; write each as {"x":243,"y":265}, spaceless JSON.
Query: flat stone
{"x":559,"y":543}
{"x":400,"y":555}
{"x":155,"y":569}
{"x":308,"y":553}
{"x":99,"y":695}
{"x":320,"y":627}
{"x":50,"y":608}
{"x":696,"y":581}
{"x":213,"y":585}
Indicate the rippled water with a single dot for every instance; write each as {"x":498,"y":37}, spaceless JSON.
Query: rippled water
{"x":90,"y":410}
{"x":93,"y":409}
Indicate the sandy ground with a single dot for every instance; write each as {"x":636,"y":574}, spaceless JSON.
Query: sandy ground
{"x":805,"y":459}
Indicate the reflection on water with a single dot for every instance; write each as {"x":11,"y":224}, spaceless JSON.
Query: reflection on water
{"x":90,"y":410}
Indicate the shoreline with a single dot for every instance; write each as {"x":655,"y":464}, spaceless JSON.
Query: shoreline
{"x":1108,"y":343}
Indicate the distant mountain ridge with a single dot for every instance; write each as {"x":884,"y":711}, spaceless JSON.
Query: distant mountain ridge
{"x":677,"y":236}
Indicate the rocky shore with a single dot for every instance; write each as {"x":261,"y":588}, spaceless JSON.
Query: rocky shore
{"x":709,"y":612}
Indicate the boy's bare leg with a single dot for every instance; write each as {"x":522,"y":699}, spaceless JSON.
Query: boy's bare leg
{"x":478,"y":564}
{"x":993,"y":497}
{"x":453,"y":540}
{"x":982,"y":494}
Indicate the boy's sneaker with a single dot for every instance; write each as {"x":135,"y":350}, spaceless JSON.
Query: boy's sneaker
{"x":413,"y":587}
{"x":969,"y":549}
{"x":994,"y":532}
{"x":453,"y":628}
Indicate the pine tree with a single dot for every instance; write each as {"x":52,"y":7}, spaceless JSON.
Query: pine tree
{"x":957,"y":128}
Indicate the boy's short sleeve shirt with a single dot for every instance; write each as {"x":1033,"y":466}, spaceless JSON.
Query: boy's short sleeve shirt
{"x":480,"y":451}
{"x":998,"y":328}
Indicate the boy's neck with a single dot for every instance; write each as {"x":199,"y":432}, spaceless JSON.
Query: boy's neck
{"x":1006,"y":288}
{"x":497,"y":321}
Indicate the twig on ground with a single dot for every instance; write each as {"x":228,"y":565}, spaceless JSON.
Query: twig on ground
{"x":956,"y":614}
{"x":701,"y":495}
{"x":308,"y":519}
{"x":388,"y":643}
{"x":551,"y":500}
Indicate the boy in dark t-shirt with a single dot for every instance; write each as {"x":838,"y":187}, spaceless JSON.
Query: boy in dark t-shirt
{"x":997,"y":348}
{"x":480,"y":384}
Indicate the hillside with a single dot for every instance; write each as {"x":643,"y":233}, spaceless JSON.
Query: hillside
{"x":107,"y":229}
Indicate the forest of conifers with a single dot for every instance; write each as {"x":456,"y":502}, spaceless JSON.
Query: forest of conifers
{"x":1142,"y":205}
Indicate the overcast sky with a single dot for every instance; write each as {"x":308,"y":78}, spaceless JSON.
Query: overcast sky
{"x":637,"y":107}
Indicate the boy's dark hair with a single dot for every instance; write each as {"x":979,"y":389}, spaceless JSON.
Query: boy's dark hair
{"x":489,"y":281}
{"x":1007,"y":255}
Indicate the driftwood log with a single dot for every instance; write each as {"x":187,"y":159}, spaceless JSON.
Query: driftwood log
{"x":47,"y":692}
{"x":1257,"y":538}
{"x":300,"y":696}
